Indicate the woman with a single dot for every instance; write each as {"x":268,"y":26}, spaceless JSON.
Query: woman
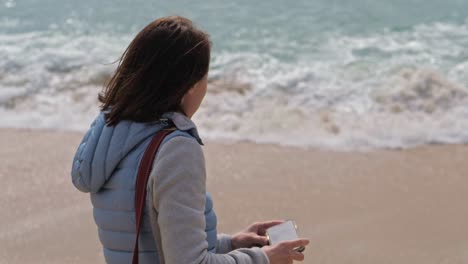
{"x":160,"y":82}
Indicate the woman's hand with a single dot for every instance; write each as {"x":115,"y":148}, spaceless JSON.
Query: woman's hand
{"x":284,"y":253}
{"x":253,"y":235}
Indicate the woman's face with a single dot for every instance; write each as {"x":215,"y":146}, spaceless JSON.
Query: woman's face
{"x":193,"y":98}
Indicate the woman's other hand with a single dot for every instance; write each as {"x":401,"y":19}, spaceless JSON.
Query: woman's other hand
{"x":253,"y":235}
{"x":284,"y":253}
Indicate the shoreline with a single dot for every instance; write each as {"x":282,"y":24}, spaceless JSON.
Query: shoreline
{"x":228,"y":141}
{"x":381,"y":206}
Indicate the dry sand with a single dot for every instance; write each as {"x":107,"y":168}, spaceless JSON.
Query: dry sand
{"x":377,"y":207}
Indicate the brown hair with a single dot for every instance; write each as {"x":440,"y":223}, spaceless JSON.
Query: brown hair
{"x":160,"y":65}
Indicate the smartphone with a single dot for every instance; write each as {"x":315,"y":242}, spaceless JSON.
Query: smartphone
{"x":284,"y":231}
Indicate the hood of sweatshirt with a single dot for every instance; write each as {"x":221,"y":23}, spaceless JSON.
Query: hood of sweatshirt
{"x":104,"y":147}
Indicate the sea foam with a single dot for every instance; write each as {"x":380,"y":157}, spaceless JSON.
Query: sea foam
{"x":390,"y":89}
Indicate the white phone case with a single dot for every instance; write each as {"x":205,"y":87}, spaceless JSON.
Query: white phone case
{"x":282,"y":232}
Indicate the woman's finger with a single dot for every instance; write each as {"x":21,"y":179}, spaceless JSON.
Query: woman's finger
{"x":297,"y":255}
{"x":291,"y":244}
{"x":259,"y":240}
{"x":263,"y":226}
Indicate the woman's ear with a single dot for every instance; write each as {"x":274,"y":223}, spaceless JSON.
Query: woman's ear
{"x":190,"y":91}
{"x":194,"y":87}
{"x":193,"y":97}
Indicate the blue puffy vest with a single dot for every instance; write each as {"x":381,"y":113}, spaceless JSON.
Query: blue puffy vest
{"x":106,"y":165}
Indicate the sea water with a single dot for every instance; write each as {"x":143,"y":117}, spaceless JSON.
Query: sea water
{"x":340,"y":74}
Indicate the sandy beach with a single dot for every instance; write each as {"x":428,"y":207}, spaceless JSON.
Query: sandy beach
{"x":383,"y":206}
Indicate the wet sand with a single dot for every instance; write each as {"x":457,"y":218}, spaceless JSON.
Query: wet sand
{"x":384,"y":206}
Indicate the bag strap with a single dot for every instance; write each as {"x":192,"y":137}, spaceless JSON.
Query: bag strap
{"x":144,"y":170}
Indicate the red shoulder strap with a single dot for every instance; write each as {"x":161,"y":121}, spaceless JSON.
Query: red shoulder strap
{"x":144,"y":170}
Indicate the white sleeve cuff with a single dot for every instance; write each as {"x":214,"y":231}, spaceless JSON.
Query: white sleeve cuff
{"x":224,"y":244}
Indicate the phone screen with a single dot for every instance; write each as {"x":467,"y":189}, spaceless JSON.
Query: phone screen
{"x":282,"y":232}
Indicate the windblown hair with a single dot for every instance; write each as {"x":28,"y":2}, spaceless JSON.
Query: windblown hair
{"x":167,"y":58}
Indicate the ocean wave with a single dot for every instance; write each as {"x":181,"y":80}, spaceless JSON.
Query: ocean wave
{"x":390,"y":89}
